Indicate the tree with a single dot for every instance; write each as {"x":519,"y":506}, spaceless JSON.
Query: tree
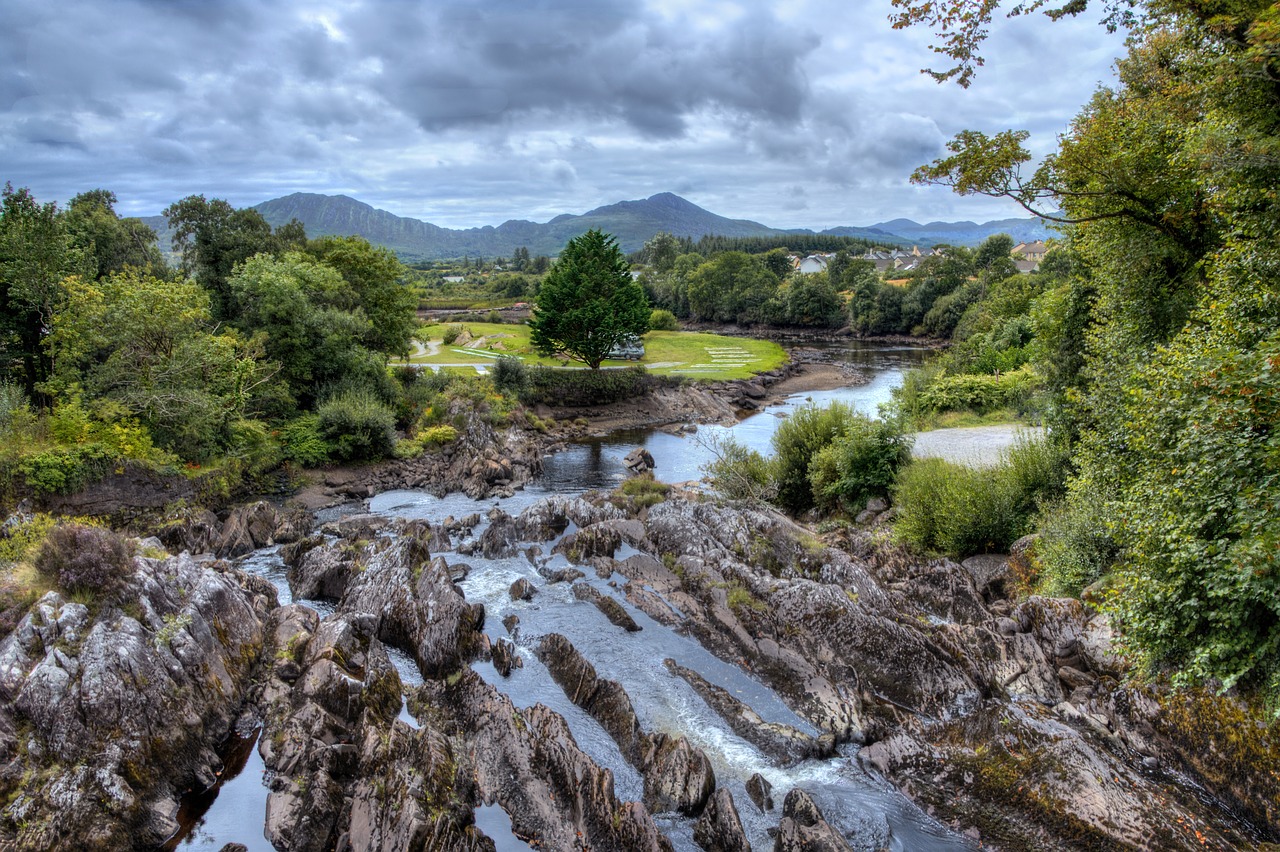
{"x":588,"y":303}
{"x":36,"y":254}
{"x":660,"y":252}
{"x":376,"y":278}
{"x":112,"y":242}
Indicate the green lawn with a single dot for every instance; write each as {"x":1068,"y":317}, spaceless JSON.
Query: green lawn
{"x":699,"y":356}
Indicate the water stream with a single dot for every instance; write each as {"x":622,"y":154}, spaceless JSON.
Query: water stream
{"x":865,"y":808}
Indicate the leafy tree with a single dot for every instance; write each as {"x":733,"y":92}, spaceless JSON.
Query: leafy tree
{"x":660,"y":252}
{"x":812,"y":301}
{"x":214,"y":237}
{"x":36,"y":254}
{"x":731,"y":287}
{"x":376,"y":279}
{"x":588,"y":303}
{"x":112,"y":242}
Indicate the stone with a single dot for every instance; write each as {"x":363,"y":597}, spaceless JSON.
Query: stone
{"x":760,"y":790}
{"x":522,"y":590}
{"x":719,"y":829}
{"x":638,"y":461}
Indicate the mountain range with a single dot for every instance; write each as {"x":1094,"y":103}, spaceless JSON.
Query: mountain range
{"x":632,"y":222}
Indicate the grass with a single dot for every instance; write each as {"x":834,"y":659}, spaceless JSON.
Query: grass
{"x":699,"y":356}
{"x":969,"y":419}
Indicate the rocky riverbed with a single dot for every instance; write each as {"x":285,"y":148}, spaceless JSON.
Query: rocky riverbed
{"x":589,"y":671}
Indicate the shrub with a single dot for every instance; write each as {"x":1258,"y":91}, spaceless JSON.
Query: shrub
{"x":860,"y":464}
{"x":555,"y":387}
{"x":494,"y":317}
{"x":255,"y":447}
{"x":662,"y":320}
{"x":956,"y":510}
{"x":437,"y":436}
{"x":510,"y":375}
{"x":644,"y":490}
{"x":85,"y":559}
{"x":301,"y":441}
{"x":798,"y":440}
{"x":1076,"y":547}
{"x":64,"y":469}
{"x":451,"y":334}
{"x":357,"y":425}
{"x":739,"y":473}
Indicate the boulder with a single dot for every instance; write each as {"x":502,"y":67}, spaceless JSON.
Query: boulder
{"x":719,"y":829}
{"x":638,"y":461}
{"x":803,"y":828}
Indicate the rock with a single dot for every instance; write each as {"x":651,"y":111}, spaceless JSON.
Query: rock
{"x":501,"y":538}
{"x":550,"y":516}
{"x":760,"y":792}
{"x":677,"y":776}
{"x":803,"y":828}
{"x":781,"y":742}
{"x":522,"y":590}
{"x":991,"y":574}
{"x":877,"y":505}
{"x":511,"y":622}
{"x":719,"y":829}
{"x":505,"y":657}
{"x":73,"y":678}
{"x":234,"y":847}
{"x":638,"y":461}
{"x":595,"y":540}
{"x":612,"y":610}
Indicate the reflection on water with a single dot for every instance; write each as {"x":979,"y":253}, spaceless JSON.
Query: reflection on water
{"x":241,"y":798}
{"x":597,"y":463}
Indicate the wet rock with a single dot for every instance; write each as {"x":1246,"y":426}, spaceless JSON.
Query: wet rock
{"x":501,"y":538}
{"x":550,"y":516}
{"x":781,"y":742}
{"x":561,"y":575}
{"x":70,"y":680}
{"x":505,"y":658}
{"x":612,"y":610}
{"x":760,"y":791}
{"x":595,"y":540}
{"x":248,"y":528}
{"x":639,"y":461}
{"x":803,"y":828}
{"x":719,"y":829}
{"x":677,"y":776}
{"x":511,"y":622}
{"x":318,"y":572}
{"x":527,"y":761}
{"x":522,"y":590}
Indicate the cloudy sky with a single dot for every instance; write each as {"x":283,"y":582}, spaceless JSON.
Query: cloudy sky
{"x":796,"y":113}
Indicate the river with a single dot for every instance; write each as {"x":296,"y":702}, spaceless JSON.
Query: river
{"x":863,"y":807}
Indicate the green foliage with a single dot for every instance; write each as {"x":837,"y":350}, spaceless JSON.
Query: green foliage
{"x":378,"y":290}
{"x":554,"y":387}
{"x":1078,"y":545}
{"x":662,"y":320}
{"x":357,"y":425}
{"x":957,"y":510}
{"x":861,"y":463}
{"x":510,"y":376}
{"x":732,"y":287}
{"x":85,"y":559}
{"x":301,"y":441}
{"x":588,"y":303}
{"x":739,"y":473}
{"x":644,"y":491}
{"x":798,"y":441}
{"x":63,"y":470}
{"x":451,"y":334}
{"x":437,"y":436}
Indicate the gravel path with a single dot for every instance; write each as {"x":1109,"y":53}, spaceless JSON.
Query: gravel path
{"x":977,"y":446}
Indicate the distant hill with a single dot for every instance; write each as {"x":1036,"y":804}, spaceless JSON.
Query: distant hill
{"x":632,"y":222}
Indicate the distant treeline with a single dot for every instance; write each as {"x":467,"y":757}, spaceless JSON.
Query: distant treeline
{"x":711,"y":244}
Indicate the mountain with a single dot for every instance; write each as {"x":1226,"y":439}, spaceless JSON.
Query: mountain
{"x":964,"y":233}
{"x":632,"y":222}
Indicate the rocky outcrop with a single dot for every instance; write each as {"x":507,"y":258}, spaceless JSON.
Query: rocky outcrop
{"x":719,"y":829}
{"x":237,"y":532}
{"x":612,"y":610}
{"x":803,"y":828}
{"x":109,"y":713}
{"x":677,"y":776}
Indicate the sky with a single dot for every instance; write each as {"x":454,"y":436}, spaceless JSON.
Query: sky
{"x":464,"y":113}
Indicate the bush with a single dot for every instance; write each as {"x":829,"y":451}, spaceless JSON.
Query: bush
{"x":451,"y":334}
{"x":956,"y":510}
{"x":494,"y":317}
{"x":437,"y":436}
{"x":510,"y":375}
{"x":1076,"y":547}
{"x":860,"y":464}
{"x":357,"y":426}
{"x":644,"y":490}
{"x":960,"y":511}
{"x":85,"y":559}
{"x":739,"y":473}
{"x":555,"y":387}
{"x":799,"y":439}
{"x":64,"y":469}
{"x":662,"y":320}
{"x":302,"y":443}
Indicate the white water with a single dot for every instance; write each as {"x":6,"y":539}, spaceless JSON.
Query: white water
{"x":865,"y":808}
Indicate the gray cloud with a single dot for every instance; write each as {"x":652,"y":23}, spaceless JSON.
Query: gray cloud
{"x":805,"y":113}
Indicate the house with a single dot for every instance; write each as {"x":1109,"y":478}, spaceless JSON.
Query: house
{"x":1030,"y":251}
{"x":813,"y":263}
